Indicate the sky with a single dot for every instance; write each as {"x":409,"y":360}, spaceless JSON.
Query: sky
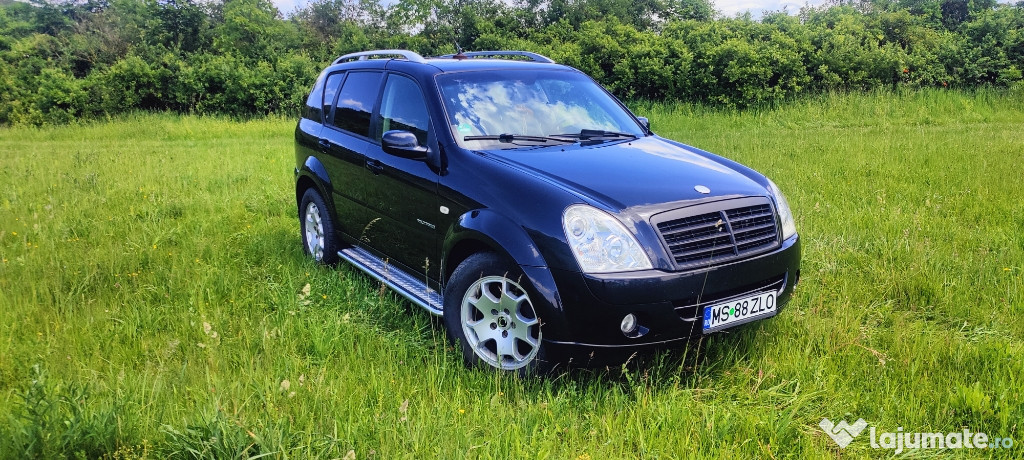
{"x":726,"y":7}
{"x":732,"y":7}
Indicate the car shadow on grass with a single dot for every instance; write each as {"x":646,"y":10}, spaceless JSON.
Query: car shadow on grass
{"x":680,"y":363}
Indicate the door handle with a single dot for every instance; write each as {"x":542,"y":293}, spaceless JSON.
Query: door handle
{"x":324,"y":144}
{"x":376,"y":167}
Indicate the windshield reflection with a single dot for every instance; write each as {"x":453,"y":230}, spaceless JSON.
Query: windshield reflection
{"x":528,"y":103}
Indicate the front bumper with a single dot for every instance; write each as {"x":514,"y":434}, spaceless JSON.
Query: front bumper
{"x":668,"y":304}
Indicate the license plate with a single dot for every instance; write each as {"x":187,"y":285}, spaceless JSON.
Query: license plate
{"x":738,"y":311}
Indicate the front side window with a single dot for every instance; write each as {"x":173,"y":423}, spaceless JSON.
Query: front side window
{"x":528,"y":103}
{"x":355,"y":102}
{"x":402,"y":108}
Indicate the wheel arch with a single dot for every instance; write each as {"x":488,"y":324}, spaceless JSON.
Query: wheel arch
{"x":301,"y":185}
{"x":313,"y":175}
{"x":486,"y":230}
{"x":462,"y":250}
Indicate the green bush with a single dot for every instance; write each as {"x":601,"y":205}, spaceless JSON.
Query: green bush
{"x":63,"y":61}
{"x":130,"y":83}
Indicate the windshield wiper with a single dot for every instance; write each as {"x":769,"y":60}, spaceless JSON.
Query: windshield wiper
{"x":515,"y":138}
{"x":589,"y":134}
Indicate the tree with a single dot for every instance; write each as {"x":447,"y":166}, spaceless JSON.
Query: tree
{"x":179,"y":24}
{"x":253,"y":29}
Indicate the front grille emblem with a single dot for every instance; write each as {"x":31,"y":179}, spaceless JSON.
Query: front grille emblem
{"x":702,"y":189}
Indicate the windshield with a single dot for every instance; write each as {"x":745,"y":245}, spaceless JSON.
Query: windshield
{"x":509,"y":109}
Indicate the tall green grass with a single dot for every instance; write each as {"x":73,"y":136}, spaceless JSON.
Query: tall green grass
{"x":153,"y":302}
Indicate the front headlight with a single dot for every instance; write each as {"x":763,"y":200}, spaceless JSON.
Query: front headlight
{"x":601,"y":243}
{"x":785,"y":215}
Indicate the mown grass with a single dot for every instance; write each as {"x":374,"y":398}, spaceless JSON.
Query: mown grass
{"x":152,"y":302}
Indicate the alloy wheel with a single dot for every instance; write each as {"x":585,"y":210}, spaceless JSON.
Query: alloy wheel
{"x":499,"y":323}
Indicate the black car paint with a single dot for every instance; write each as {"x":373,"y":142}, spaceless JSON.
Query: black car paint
{"x":511,"y":202}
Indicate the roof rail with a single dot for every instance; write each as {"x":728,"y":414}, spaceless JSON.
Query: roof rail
{"x":497,"y":55}
{"x":364,"y":55}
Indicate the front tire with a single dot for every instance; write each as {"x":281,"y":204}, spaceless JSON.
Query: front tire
{"x":318,"y":238}
{"x":489,"y":314}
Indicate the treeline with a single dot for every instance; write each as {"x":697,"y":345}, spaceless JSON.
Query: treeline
{"x":70,"y":59}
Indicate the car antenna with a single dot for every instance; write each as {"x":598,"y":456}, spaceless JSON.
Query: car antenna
{"x":459,"y":52}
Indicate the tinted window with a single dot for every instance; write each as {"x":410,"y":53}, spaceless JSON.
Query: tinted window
{"x":402,"y":107}
{"x":355,"y":102}
{"x":314,"y":102}
{"x":330,"y":90}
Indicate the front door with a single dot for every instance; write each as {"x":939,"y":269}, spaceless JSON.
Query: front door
{"x":403,"y":192}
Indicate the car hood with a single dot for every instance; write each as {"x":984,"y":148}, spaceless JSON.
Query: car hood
{"x":638,"y":172}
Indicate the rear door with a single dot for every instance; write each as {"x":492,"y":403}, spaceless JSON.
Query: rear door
{"x":345,"y":140}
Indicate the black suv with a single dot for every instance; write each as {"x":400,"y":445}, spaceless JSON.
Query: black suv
{"x":530,"y":208}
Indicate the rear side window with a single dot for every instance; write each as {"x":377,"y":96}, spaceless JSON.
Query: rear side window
{"x":314,"y":107}
{"x":402,"y":107}
{"x":355,"y":102}
{"x":331,"y":90}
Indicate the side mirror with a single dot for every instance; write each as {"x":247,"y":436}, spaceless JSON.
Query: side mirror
{"x":403,"y":144}
{"x":645,"y":122}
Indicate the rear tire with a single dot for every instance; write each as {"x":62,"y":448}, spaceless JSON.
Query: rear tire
{"x":318,"y":238}
{"x":489,"y":314}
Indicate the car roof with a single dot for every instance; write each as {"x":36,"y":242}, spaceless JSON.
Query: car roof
{"x":479,"y":60}
{"x":455,"y":65}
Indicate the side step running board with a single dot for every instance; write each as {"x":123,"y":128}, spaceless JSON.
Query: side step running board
{"x":409,"y":287}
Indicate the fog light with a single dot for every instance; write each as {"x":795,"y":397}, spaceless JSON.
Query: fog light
{"x":628,"y":325}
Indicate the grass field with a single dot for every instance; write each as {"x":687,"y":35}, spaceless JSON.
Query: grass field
{"x":152,"y":303}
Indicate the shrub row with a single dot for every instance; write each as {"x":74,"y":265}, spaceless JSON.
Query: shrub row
{"x":197,"y":83}
{"x":59,"y":62}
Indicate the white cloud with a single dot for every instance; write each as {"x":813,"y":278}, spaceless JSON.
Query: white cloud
{"x":287,"y":7}
{"x":730,"y":8}
{"x":726,"y":7}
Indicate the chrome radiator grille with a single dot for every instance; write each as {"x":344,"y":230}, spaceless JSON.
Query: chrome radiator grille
{"x":709,"y":238}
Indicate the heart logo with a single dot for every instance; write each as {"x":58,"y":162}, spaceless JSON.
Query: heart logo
{"x":843,"y":433}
